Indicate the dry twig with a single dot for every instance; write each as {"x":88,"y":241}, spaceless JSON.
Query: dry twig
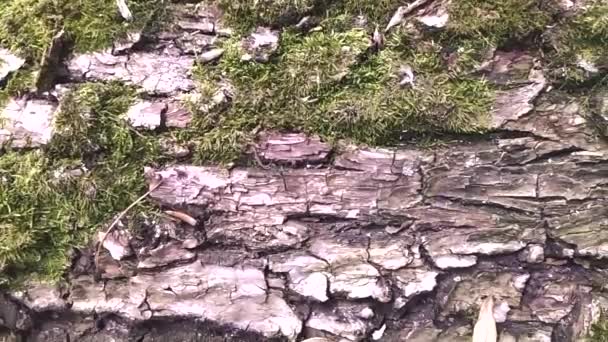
{"x":182,"y":217}
{"x":153,"y":187}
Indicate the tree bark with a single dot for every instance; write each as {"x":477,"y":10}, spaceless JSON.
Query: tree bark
{"x":348,"y":242}
{"x":410,"y":238}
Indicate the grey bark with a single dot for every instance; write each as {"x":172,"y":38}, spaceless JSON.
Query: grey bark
{"x":347,"y":242}
{"x":408,"y":238}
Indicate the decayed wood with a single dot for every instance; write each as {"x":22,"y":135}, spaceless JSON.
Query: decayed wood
{"x":382,"y":224}
{"x":292,"y":148}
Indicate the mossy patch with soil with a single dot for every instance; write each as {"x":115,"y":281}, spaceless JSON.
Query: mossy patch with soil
{"x":44,"y":211}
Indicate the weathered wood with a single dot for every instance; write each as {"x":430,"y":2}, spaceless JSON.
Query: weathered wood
{"x":390,"y":227}
{"x":349,"y":243}
{"x":387,"y":226}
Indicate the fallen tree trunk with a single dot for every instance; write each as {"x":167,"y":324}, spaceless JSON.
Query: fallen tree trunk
{"x":349,"y":243}
{"x":407,"y":242}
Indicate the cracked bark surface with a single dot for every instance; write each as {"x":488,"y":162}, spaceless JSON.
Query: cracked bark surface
{"x":342,"y":242}
{"x":413,"y":239}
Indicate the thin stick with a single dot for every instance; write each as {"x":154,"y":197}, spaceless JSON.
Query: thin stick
{"x":256,"y":156}
{"x":120,"y":216}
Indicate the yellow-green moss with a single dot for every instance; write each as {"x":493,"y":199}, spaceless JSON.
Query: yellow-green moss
{"x":43,"y":215}
{"x":583,"y":36}
{"x":328,"y":83}
{"x":28,"y":26}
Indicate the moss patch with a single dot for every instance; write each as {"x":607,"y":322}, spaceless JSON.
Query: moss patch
{"x":583,"y":37}
{"x":497,"y":20}
{"x":328,"y":83}
{"x":17,"y":85}
{"x":45,"y":214}
{"x":246,"y":14}
{"x":377,"y":12}
{"x":27,"y":27}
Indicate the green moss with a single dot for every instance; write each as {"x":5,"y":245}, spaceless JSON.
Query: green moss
{"x":17,"y":84}
{"x":43,"y":215}
{"x":378,"y":12}
{"x":327,"y":83}
{"x":28,"y":26}
{"x":497,"y":20}
{"x":96,"y":24}
{"x":379,"y":111}
{"x":246,"y":14}
{"x":599,"y":330}
{"x":582,"y":37}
